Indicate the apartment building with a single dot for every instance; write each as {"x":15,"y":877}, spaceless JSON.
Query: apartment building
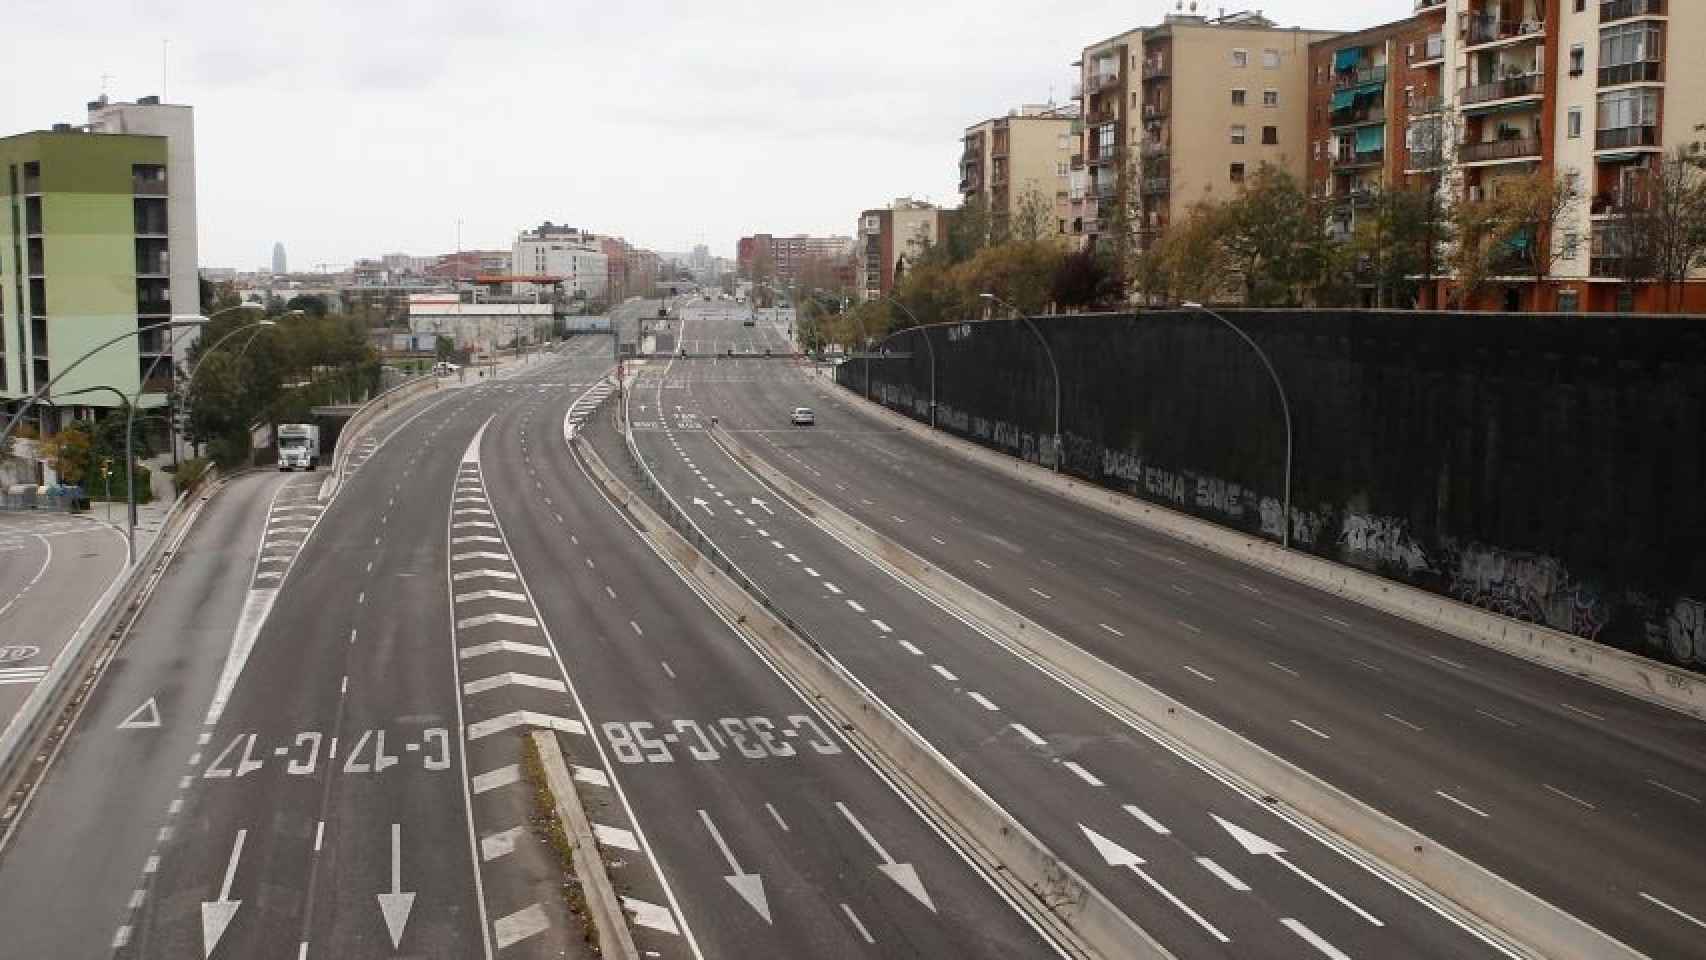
{"x":1241,"y":86}
{"x":559,"y":256}
{"x":1023,"y":157}
{"x":87,"y":253}
{"x":785,"y":259}
{"x":891,"y":239}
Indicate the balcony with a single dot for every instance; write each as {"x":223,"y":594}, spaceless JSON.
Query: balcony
{"x":1640,"y":71}
{"x":153,"y":342}
{"x":1359,"y":116}
{"x":1155,"y":111}
{"x":1097,"y":82}
{"x":1510,"y":88}
{"x":1104,"y":154}
{"x":1077,"y":89}
{"x":144,"y":185}
{"x":1426,"y":106}
{"x":1156,"y":69}
{"x":1155,"y":148}
{"x":1360,"y":76}
{"x":1353,"y":159}
{"x":1426,"y":158}
{"x":1077,"y":161}
{"x":1486,"y":29}
{"x":1525,"y":148}
{"x":1104,"y":188}
{"x":1433,"y":49}
{"x":1618,"y":268}
{"x":1156,"y":186}
{"x":1610,"y":11}
{"x":32,"y":183}
{"x":1622,"y":138}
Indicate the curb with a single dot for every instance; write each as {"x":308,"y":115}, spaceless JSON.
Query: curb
{"x":1441,"y":875}
{"x":1628,"y":673}
{"x":1056,"y":895}
{"x":362,"y":420}
{"x":24,"y":742}
{"x":614,"y":938}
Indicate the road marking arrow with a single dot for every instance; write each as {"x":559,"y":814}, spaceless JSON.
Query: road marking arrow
{"x":760,"y":504}
{"x":901,"y":873}
{"x":216,"y":914}
{"x":396,"y":904}
{"x":706,"y":504}
{"x":1258,"y":846}
{"x":1117,"y":856}
{"x":750,"y":886}
{"x":145,"y":717}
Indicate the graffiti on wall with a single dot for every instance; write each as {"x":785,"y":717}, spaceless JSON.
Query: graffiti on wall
{"x":1528,"y":587}
{"x":1382,"y":542}
{"x":1681,"y":633}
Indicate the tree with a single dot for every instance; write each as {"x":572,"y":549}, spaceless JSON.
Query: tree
{"x":311,"y":304}
{"x":1392,"y":244}
{"x":1086,"y":278}
{"x":1189,"y":262}
{"x":1511,"y":231}
{"x":1020,"y":273}
{"x":1274,"y":237}
{"x":1033,"y":218}
{"x":1659,"y":227}
{"x":968,"y":232}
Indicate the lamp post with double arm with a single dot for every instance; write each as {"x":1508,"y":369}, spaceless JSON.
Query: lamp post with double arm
{"x":929,"y":347}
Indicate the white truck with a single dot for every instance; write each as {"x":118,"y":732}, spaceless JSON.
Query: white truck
{"x":298,"y":446}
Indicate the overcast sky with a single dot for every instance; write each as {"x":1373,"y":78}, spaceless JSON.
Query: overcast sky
{"x":351,"y":128}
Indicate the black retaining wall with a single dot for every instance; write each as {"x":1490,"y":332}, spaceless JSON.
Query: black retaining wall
{"x":1552,"y":468}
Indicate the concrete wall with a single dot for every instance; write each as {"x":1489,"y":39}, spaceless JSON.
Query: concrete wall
{"x":1545,"y":467}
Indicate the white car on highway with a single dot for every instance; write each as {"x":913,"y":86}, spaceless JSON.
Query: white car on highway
{"x":803,"y":417}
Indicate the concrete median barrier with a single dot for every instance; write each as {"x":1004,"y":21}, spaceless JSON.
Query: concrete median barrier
{"x":1452,"y":881}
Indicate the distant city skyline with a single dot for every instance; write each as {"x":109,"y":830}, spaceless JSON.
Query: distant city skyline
{"x":359,"y":150}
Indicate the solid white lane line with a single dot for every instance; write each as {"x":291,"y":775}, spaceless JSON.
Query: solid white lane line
{"x":1450,"y":663}
{"x":1110,"y":629}
{"x":1040,"y":593}
{"x":1472,"y":809}
{"x":1300,"y":723}
{"x":1675,"y":792}
{"x":1660,"y":903}
{"x":1199,"y":673}
{"x":1027,"y":733}
{"x":1283,"y":668}
{"x":945,"y":673}
{"x":1223,"y":875}
{"x":1153,"y":824}
{"x":982,"y":701}
{"x":910,"y":648}
{"x":1585,"y":713}
{"x":1083,"y":774}
{"x":861,"y":927}
{"x":1192,"y":628}
{"x":1310,"y":937}
{"x":1400,"y":720}
{"x":1570,"y":797}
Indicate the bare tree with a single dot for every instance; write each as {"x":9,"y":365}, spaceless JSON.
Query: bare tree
{"x":1658,"y":232}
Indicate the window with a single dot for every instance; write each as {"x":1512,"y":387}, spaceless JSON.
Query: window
{"x":1236,"y":173}
{"x":1569,"y":301}
{"x":1628,"y":108}
{"x":1060,"y":169}
{"x":1238,"y":133}
{"x":1575,"y":123}
{"x":1578,"y":58}
{"x":1238,"y":98}
{"x":1581,"y":5}
{"x":1316,"y":147}
{"x":1572,"y":243}
{"x":1270,"y":59}
{"x":1065,"y":141}
{"x":1629,"y":43}
{"x":1240,"y":58}
{"x":1270,"y":135}
{"x":1270,"y":98}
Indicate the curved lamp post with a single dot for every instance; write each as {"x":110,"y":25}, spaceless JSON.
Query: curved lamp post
{"x":1048,"y":352}
{"x":1285,"y":409}
{"x":257,"y":328}
{"x":924,"y":332}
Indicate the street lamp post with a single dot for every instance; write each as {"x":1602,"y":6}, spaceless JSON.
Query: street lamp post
{"x":257,"y":328}
{"x":1285,"y":409}
{"x":1055,"y":369}
{"x":924,"y":332}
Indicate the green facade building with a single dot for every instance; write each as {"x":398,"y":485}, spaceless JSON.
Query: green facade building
{"x":84,"y":257}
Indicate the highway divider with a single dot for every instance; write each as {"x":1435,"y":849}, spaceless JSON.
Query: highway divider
{"x":598,"y":897}
{"x":1629,"y":673}
{"x":33,"y":735}
{"x":1055,"y":895}
{"x":1453,"y":882}
{"x":363,"y":418}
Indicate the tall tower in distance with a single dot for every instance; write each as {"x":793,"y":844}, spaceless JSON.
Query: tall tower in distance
{"x":278,"y":261}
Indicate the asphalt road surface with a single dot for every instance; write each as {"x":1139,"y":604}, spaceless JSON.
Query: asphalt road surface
{"x":1588,"y":797}
{"x":1196,"y":863}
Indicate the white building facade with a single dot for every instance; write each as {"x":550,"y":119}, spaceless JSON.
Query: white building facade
{"x":572,"y":258}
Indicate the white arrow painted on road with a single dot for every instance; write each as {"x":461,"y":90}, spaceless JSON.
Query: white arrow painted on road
{"x":396,"y":904}
{"x":1117,"y":856}
{"x":216,"y":914}
{"x":901,"y":873}
{"x":750,"y":886}
{"x":1258,"y":846}
{"x":760,"y":504}
{"x":145,"y":717}
{"x":705,"y":504}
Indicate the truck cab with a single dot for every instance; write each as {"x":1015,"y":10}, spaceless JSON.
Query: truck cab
{"x":298,"y":446}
